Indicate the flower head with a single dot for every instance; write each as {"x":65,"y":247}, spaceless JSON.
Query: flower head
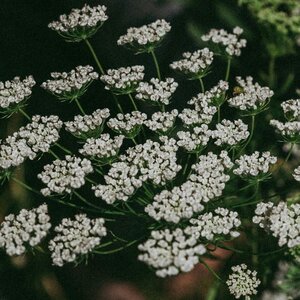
{"x":162,"y":122}
{"x":291,"y":109}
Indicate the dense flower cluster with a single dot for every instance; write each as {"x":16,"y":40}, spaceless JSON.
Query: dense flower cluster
{"x":127,"y":124}
{"x":80,"y":23}
{"x":151,"y":161}
{"x":281,"y":220}
{"x":194,"y":64}
{"x":15,"y":91}
{"x":243,"y":282}
{"x":71,"y":85}
{"x":28,"y":141}
{"x":230,"y":133}
{"x":231,"y":41}
{"x":27,"y":229}
{"x":222,"y":222}
{"x":254,"y":164}
{"x":103,"y":148}
{"x":291,"y":108}
{"x":251,"y":97}
{"x":162,"y":122}
{"x":124,"y":80}
{"x":63,"y":176}
{"x":88,"y":125}
{"x":145,"y":38}
{"x":195,"y":140}
{"x":289,"y":130}
{"x":156,"y":91}
{"x":171,"y":252}
{"x":75,"y":238}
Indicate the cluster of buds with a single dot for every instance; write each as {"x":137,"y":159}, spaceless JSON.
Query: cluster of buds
{"x":162,"y":122}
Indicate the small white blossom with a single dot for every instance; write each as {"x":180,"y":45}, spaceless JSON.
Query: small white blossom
{"x":146,"y":37}
{"x":156,"y":91}
{"x":297,"y":173}
{"x":63,"y":176}
{"x":252,"y":96}
{"x":124,"y":80}
{"x":195,"y":140}
{"x":27,"y":229}
{"x":254,"y":164}
{"x":127,"y":124}
{"x":231,"y":41}
{"x":242,"y":282}
{"x":15,"y":91}
{"x":281,"y":220}
{"x":162,"y":122}
{"x":291,"y":108}
{"x":71,"y":85}
{"x":230,"y":133}
{"x":289,"y":130}
{"x":171,"y":252}
{"x":194,"y":64}
{"x":88,"y":125}
{"x":81,"y":23}
{"x":75,"y":238}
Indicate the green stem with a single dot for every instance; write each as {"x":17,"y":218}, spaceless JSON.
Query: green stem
{"x":53,"y":154}
{"x":272,"y":71}
{"x":132,"y":101}
{"x":116,"y":250}
{"x":211,"y":270}
{"x":24,"y":114}
{"x":79,"y":106}
{"x":202,"y":85}
{"x":63,"y":148}
{"x":94,"y":56}
{"x":251,"y":134}
{"x":156,"y":64}
{"x":84,"y":200}
{"x":228,"y":68}
{"x":26,"y":186}
{"x":286,"y":159}
{"x":219,"y":113}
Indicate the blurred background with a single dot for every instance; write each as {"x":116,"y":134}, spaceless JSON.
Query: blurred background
{"x":28,"y":47}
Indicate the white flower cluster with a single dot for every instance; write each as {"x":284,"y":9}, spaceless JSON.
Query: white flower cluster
{"x":297,"y":173}
{"x":162,"y":122}
{"x":83,"y":125}
{"x":15,"y":91}
{"x":103,"y":147}
{"x":63,"y":176}
{"x":222,"y":222}
{"x":171,"y":252}
{"x":194,"y":64}
{"x":75,"y":238}
{"x":68,"y":86}
{"x":86,"y":17}
{"x":124,"y":80}
{"x":193,"y":141}
{"x":127,"y":124}
{"x":28,"y":141}
{"x":209,"y":172}
{"x":146,"y":36}
{"x":181,"y":202}
{"x":291,"y":108}
{"x":151,"y":161}
{"x":252,"y":95}
{"x":287,"y":129}
{"x":230,"y":133}
{"x":156,"y":91}
{"x":231,"y":41}
{"x":28,"y":228}
{"x":254,"y":164}
{"x":243,"y":282}
{"x":281,"y":220}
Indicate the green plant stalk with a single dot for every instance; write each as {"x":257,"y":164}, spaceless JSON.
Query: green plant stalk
{"x":24,"y":114}
{"x":156,"y":64}
{"x":79,"y":106}
{"x":202,"y":85}
{"x":228,"y":69}
{"x":132,"y":101}
{"x":251,"y":134}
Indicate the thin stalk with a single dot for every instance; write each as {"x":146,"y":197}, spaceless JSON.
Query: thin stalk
{"x":228,"y":69}
{"x":272,"y":71}
{"x":134,"y":141}
{"x":156,"y":64}
{"x":63,"y":148}
{"x":53,"y":154}
{"x":79,"y":106}
{"x":94,"y":56}
{"x":286,"y":159}
{"x":84,"y":200}
{"x":202,"y":85}
{"x":251,"y":134}
{"x":26,"y":186}
{"x":24,"y":114}
{"x":132,"y":101}
{"x":211,"y":270}
{"x":219,"y":113}
{"x":116,"y":250}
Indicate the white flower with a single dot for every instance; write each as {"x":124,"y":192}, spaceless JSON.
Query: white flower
{"x":162,"y":122}
{"x":124,"y":80}
{"x":145,"y":38}
{"x":156,"y":91}
{"x":287,"y":129}
{"x":63,"y":176}
{"x":230,"y":133}
{"x":242,"y":282}
{"x":194,"y":64}
{"x":71,"y":85}
{"x":88,"y":125}
{"x":194,"y":141}
{"x":80,"y":23}
{"x":15,"y":91}
{"x":281,"y":220}
{"x":254,"y":164}
{"x":75,"y":238}
{"x":231,"y":41}
{"x":297,"y":173}
{"x":222,"y":222}
{"x":28,"y":228}
{"x":291,"y":108}
{"x":252,"y":96}
{"x":171,"y":252}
